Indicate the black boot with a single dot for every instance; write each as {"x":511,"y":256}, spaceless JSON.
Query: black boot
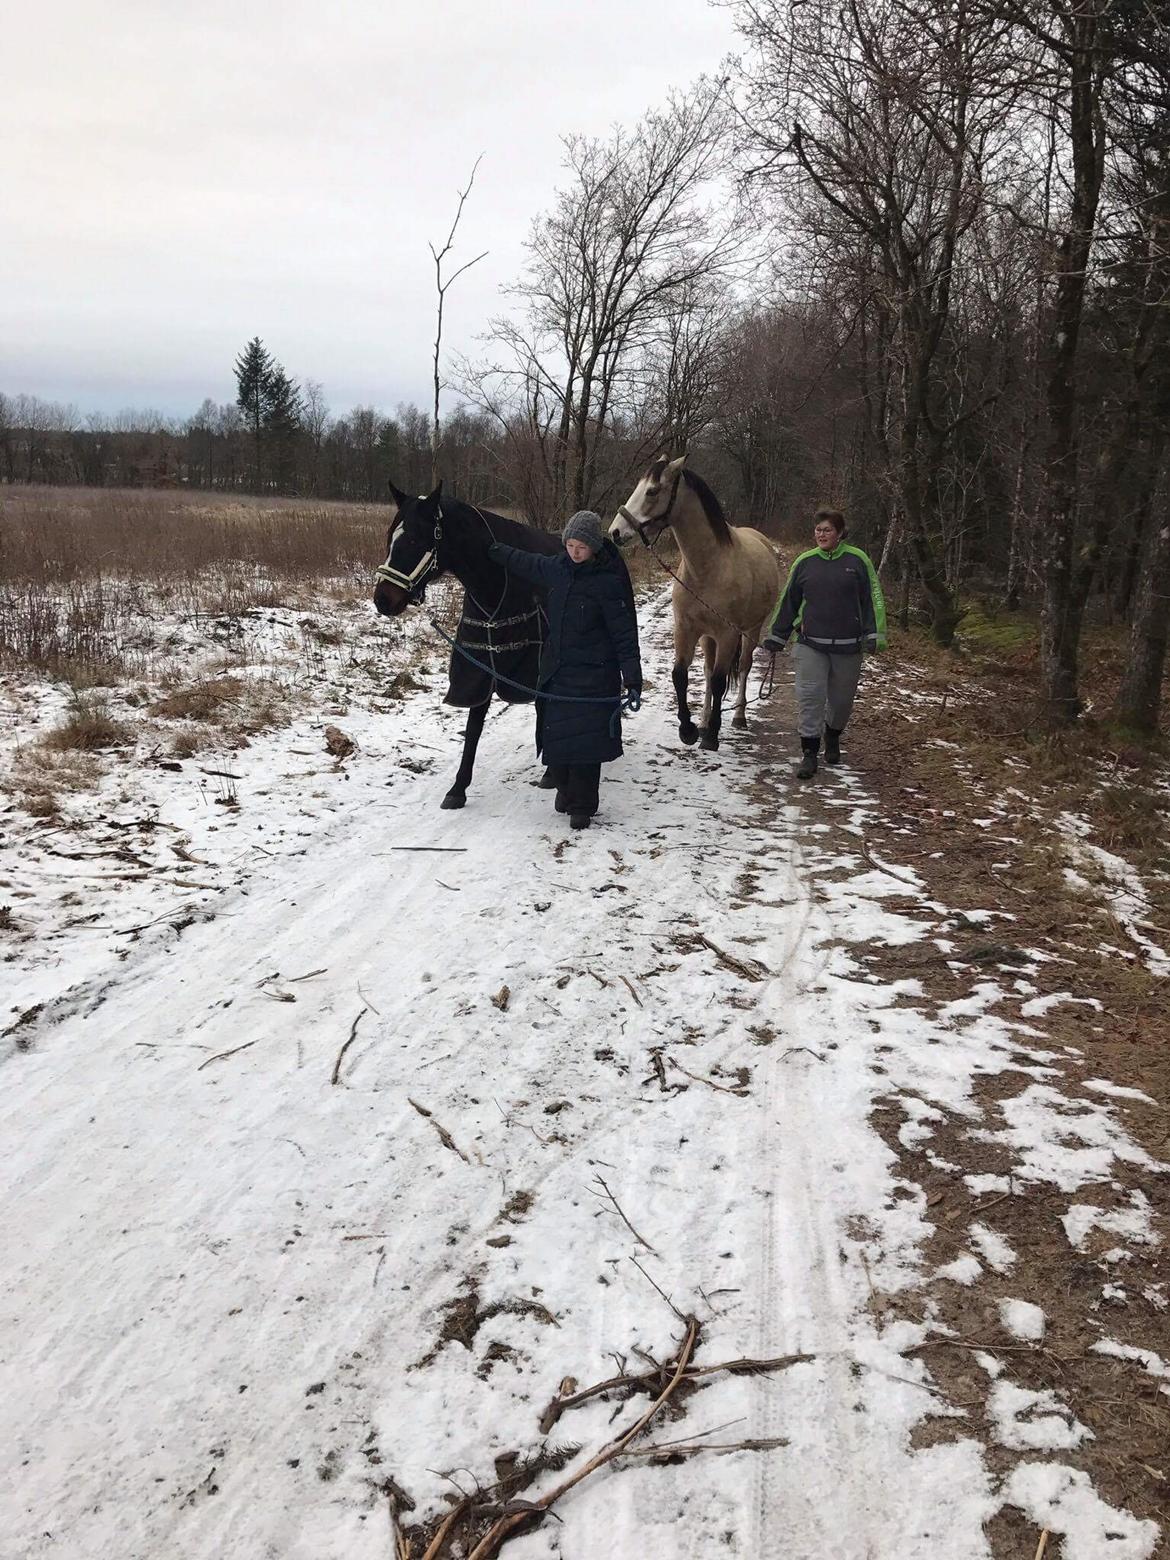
{"x":808,"y":764}
{"x":580,"y":820}
{"x":832,"y":745}
{"x":561,"y":802}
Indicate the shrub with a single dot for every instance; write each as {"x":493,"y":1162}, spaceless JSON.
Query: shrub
{"x":89,"y":727}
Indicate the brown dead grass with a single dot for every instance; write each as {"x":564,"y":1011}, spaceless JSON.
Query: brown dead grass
{"x":202,"y":701}
{"x":89,"y":727}
{"x":238,"y":707}
{"x":64,"y":536}
{"x":84,"y":569}
{"x":39,"y":777}
{"x":188,"y":742}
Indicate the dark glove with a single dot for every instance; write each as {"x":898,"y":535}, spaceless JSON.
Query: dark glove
{"x":633,"y":693}
{"x":772,"y":644}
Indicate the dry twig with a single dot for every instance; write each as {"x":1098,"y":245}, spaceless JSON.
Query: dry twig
{"x":489,"y":1545}
{"x":748,"y":971}
{"x":711,"y":1084}
{"x":641,"y":1239}
{"x":221,"y":1054}
{"x":648,"y":1380}
{"x":629,"y":985}
{"x":670,"y":1449}
{"x":444,"y":1136}
{"x":341,"y":1054}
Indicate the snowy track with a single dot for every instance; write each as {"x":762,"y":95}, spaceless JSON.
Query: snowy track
{"x":240,"y":1297}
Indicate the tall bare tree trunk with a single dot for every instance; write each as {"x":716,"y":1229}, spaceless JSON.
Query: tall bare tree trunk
{"x":1061,"y":621}
{"x":1139,"y":699}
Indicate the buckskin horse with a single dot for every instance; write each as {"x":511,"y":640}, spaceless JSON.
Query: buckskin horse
{"x":723,"y":594}
{"x":502,"y":623}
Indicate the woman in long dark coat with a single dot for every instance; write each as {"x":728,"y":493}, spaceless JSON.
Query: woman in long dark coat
{"x":591,"y":650}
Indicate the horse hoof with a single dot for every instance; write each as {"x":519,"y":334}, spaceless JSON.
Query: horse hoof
{"x":739,"y":723}
{"x":710,"y":743}
{"x":452,"y":800}
{"x":689,"y":734}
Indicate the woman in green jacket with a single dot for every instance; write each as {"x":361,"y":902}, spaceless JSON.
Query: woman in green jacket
{"x":833,"y":602}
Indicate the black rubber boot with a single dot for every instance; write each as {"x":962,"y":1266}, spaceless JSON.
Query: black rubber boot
{"x":832,"y":745}
{"x":561,"y":802}
{"x":579,"y":820}
{"x":808,"y":764}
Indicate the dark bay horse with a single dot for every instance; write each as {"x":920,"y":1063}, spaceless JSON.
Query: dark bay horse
{"x":502,"y":624}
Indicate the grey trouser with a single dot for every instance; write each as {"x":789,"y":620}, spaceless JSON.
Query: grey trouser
{"x":826,"y":686}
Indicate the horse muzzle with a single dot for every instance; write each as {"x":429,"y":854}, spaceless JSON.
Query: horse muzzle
{"x":396,"y":590}
{"x":390,"y":600}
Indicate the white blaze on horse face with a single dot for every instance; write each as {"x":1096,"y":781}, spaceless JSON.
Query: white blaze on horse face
{"x":622,"y":530}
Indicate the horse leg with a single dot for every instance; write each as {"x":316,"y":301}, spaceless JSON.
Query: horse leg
{"x":746,"y":651}
{"x":457,"y":795}
{"x":683,"y":655}
{"x":725,"y":656}
{"x":708,"y":669}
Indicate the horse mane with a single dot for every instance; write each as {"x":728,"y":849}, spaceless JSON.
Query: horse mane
{"x":712,"y":508}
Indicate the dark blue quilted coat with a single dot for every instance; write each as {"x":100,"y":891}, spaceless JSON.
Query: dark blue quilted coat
{"x":591,"y":649}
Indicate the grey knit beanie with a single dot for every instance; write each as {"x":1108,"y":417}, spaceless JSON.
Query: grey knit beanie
{"x":585,"y":526}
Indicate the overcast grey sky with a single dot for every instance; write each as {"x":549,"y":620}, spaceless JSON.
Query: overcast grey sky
{"x":181,"y":176}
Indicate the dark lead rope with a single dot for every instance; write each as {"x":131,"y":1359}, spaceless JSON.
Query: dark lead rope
{"x":624,"y":701}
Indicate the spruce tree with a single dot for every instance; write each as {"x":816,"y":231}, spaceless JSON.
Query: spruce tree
{"x":254,"y":369}
{"x":283,"y":407}
{"x":283,"y":410}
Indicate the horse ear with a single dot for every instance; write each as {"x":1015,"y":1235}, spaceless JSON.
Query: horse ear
{"x":674,"y":466}
{"x":397,"y":495}
{"x":433,"y":498}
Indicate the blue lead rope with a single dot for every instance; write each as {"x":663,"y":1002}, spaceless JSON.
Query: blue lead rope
{"x":626,"y":702}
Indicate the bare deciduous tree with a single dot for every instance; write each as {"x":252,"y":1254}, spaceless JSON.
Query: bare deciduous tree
{"x":880,"y":126}
{"x":441,"y":289}
{"x":628,"y":238}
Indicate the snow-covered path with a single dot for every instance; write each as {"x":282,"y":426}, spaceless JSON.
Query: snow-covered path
{"x":240,"y":1297}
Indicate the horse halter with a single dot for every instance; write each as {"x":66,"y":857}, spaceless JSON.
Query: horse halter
{"x":662,"y":520}
{"x":415,"y":582}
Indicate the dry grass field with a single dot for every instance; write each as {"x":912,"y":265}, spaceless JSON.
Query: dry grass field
{"x":84,"y":568}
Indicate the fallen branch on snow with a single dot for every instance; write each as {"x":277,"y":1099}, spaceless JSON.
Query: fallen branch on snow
{"x":629,"y":985}
{"x":617,"y":1209}
{"x":509,"y":1518}
{"x":489,"y":1544}
{"x":221,"y":1054}
{"x":444,"y":1136}
{"x":740,"y":1091}
{"x":341,"y":1054}
{"x":752,"y":970}
{"x":648,"y":1380}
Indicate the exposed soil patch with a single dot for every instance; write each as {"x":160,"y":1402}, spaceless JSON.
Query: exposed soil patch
{"x":465,"y":1315}
{"x":981,"y":821}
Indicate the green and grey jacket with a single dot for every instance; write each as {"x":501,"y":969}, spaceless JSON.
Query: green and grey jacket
{"x":834,"y":602}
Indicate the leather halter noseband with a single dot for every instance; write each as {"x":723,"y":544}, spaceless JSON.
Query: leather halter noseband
{"x":414,"y":583}
{"x":662,"y":520}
